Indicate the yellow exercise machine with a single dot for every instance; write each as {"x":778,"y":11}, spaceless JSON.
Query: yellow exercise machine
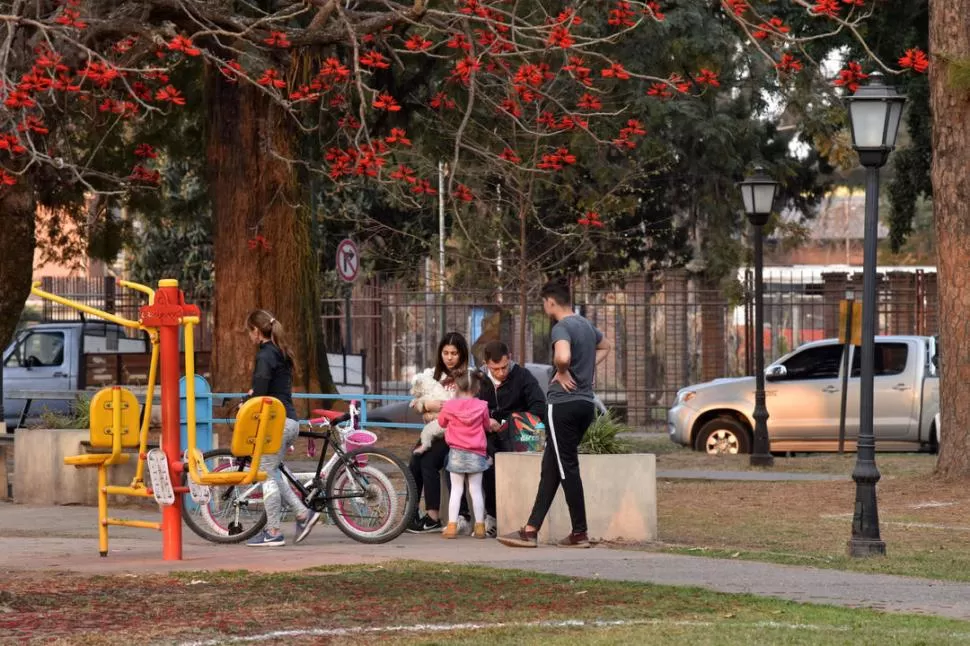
{"x":114,"y":420}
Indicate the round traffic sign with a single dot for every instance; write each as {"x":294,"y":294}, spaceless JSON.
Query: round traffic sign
{"x":348,"y":260}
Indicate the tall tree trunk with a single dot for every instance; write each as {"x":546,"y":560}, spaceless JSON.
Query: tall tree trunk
{"x":255,"y":193}
{"x":17,"y":213}
{"x":950,"y":105}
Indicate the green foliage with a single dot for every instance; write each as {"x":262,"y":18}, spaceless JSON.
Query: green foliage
{"x":601,"y":437}
{"x":78,"y":417}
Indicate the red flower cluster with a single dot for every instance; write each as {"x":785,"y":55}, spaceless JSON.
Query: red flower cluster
{"x":591,"y":219}
{"x":11,"y":144}
{"x":423,"y":187}
{"x":184,"y":45}
{"x":417,"y":43}
{"x":589,"y":102}
{"x":774,"y":27}
{"x":616,"y":71}
{"x":579,"y":72}
{"x":464,"y":69}
{"x":271,"y":78}
{"x":829,"y":8}
{"x":442,"y":100}
{"x":915,"y":59}
{"x":621,"y":15}
{"x":851,"y":76}
{"x":375,"y":59}
{"x":258,"y":242}
{"x":788,"y":64}
{"x":404,"y":174}
{"x":557,"y":160}
{"x":385,"y":101}
{"x":145,"y":151}
{"x":277,"y":39}
{"x":398,"y":136}
{"x":626,"y":139}
{"x":652,"y":8}
{"x":737,"y":7}
{"x":141,"y":174}
{"x":509,"y":155}
{"x":707,"y":77}
{"x":171,"y":95}
{"x":463,"y":193}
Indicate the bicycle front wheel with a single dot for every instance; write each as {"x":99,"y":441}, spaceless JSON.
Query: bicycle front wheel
{"x":234,"y":513}
{"x":371,"y":495}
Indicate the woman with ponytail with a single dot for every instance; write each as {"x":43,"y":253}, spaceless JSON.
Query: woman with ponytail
{"x":273,"y":377}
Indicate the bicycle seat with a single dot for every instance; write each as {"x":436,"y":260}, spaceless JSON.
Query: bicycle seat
{"x":332,"y":416}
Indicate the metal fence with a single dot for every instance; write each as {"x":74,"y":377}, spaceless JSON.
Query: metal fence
{"x":669,"y":329}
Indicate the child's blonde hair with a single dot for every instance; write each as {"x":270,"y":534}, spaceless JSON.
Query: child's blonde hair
{"x":468,"y":381}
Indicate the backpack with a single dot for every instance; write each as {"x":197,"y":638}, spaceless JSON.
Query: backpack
{"x":526,"y":432}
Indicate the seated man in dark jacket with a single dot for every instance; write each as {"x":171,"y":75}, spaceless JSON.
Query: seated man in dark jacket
{"x":507,"y":388}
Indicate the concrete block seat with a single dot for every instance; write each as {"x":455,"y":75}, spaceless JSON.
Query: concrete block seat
{"x":620,"y":491}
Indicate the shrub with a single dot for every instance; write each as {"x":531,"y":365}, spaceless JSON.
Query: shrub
{"x":78,"y":417}
{"x":601,"y":438}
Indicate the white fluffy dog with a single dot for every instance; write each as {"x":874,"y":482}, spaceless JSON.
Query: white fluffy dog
{"x":426,"y":388}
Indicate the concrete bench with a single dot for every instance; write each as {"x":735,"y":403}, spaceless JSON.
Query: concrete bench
{"x":6,"y":451}
{"x":42,"y":478}
{"x":620,"y":490}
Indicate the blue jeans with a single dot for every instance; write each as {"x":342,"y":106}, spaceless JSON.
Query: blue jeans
{"x":276,"y":483}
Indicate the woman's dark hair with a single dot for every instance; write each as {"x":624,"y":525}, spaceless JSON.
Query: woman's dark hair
{"x":270,"y":328}
{"x":468,"y":381}
{"x":458,"y":341}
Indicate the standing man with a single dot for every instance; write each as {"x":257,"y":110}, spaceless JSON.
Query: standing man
{"x":507,"y":388}
{"x":577,"y":347}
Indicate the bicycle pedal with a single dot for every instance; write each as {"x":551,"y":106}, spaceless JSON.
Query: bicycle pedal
{"x":201,"y":494}
{"x":161,"y":480}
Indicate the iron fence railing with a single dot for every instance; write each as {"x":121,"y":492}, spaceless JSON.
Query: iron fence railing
{"x":670,"y":329}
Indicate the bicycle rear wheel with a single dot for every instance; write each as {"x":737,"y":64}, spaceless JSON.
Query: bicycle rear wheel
{"x":371,"y":495}
{"x":234,"y":513}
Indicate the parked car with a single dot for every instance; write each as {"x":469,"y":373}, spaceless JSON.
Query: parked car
{"x":803,"y":392}
{"x":402,"y":413}
{"x":50,"y":357}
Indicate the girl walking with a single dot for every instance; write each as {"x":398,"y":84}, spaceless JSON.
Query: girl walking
{"x":465,"y":420}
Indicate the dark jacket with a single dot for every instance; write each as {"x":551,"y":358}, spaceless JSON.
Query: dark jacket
{"x":519,"y":393}
{"x":273,"y":376}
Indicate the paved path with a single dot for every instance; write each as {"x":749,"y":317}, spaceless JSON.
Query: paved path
{"x":65,"y":539}
{"x":761,"y":476}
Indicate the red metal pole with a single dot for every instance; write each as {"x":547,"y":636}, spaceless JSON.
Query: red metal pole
{"x":168,"y":293}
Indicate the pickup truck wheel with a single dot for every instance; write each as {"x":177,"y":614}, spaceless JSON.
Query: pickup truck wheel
{"x":723,"y":436}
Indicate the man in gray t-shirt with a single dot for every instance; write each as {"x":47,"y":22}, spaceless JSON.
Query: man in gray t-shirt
{"x":577,"y":347}
{"x":583,"y":338}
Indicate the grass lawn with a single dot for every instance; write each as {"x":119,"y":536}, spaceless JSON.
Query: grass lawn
{"x":924,"y":521}
{"x":425,"y":603}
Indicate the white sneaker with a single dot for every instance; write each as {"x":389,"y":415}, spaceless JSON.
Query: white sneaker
{"x":464,"y":526}
{"x":491,"y":526}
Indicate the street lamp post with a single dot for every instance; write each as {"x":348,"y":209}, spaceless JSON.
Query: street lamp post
{"x":874,"y":114}
{"x":758,"y":194}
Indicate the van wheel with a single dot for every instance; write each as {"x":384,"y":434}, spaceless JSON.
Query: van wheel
{"x":934,"y":441}
{"x":723,"y":436}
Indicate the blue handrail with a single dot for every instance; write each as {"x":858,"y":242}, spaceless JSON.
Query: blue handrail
{"x":363,"y":399}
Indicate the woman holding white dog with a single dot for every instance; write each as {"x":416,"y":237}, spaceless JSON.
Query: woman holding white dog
{"x":426,"y":466}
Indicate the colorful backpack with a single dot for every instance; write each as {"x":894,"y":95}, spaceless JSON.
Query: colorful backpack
{"x":527,"y":432}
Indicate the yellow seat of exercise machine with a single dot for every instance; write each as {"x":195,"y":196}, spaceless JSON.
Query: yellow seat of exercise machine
{"x":258,"y":431}
{"x":114,"y":425}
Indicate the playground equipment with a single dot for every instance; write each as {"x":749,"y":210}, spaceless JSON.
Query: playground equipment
{"x":114,"y":415}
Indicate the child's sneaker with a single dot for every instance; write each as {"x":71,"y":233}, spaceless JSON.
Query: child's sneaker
{"x":464,"y":526}
{"x":491,"y":526}
{"x":451,"y":531}
{"x":265,"y":539}
{"x":304,"y":526}
{"x":479,"y":530}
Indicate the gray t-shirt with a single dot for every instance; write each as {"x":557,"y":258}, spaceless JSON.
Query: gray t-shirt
{"x":583,"y":337}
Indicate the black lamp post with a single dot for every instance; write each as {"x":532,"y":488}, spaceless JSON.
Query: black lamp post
{"x":874,"y":114}
{"x":758,"y":194}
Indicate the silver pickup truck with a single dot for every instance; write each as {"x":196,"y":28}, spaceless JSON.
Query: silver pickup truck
{"x":803,"y":392}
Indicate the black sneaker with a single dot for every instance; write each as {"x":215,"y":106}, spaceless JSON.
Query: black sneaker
{"x":424,"y":526}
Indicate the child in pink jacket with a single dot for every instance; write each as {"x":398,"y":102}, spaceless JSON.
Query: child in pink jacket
{"x":465,"y":420}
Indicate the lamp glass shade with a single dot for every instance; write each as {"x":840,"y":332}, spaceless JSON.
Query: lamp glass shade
{"x":758,"y":194}
{"x":875,"y":111}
